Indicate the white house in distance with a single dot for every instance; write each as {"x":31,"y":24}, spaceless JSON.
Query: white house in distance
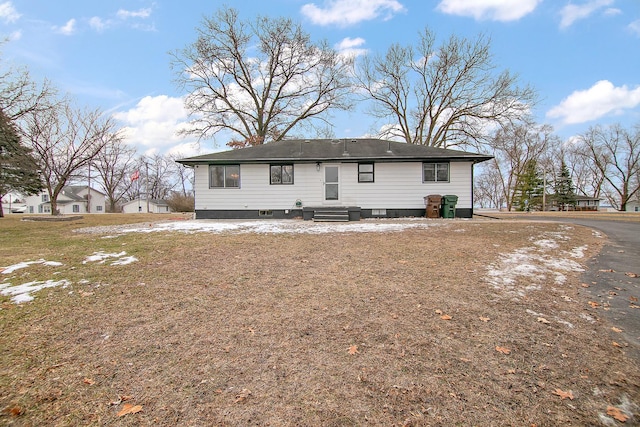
{"x":74,"y":199}
{"x":352,"y":178}
{"x":141,"y":206}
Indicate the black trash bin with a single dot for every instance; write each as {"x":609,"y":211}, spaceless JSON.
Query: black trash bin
{"x":432,"y":203}
{"x":449,"y":206}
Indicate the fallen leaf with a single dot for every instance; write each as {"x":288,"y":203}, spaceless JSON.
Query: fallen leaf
{"x":608,"y":270}
{"x":614,"y":329}
{"x":484,"y":319}
{"x":502,"y":350}
{"x":633,"y":299}
{"x":543,"y":320}
{"x":129,"y":409}
{"x":615,"y":344}
{"x":563,"y":394}
{"x":402,"y":261}
{"x":88,"y":381}
{"x":353,"y":349}
{"x":617,"y":414}
{"x":613,"y":293}
{"x":125,"y":398}
{"x":243,"y":395}
{"x":446,"y":317}
{"x":585,"y":285}
{"x":631,"y":274}
{"x":594,"y":304}
{"x":14,"y":411}
{"x":438,"y":311}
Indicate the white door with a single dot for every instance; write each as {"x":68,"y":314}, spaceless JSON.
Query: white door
{"x":331,"y":184}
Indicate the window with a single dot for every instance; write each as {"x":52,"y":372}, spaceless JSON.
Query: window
{"x":99,"y":208}
{"x":365,"y":172}
{"x":224,"y":176}
{"x":76,"y":208}
{"x":281,"y":174}
{"x":435,"y":172}
{"x":45,"y":198}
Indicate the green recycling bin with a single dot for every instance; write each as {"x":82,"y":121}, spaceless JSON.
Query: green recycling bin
{"x":449,"y":206}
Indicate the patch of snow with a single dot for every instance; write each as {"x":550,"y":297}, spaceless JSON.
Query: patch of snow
{"x":546,"y":244}
{"x":283,"y":226}
{"x":125,"y":260}
{"x":25,"y":264}
{"x":22,"y":293}
{"x":102,"y":257}
{"x":587,"y":318}
{"x":577,"y":252}
{"x":526,"y":269}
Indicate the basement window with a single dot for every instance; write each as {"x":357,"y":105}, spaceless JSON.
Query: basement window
{"x":265,"y":213}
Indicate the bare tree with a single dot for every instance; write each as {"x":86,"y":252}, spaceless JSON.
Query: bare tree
{"x":20,"y":95}
{"x":115,"y":164}
{"x":513,"y":148}
{"x":588,"y":179}
{"x":259,"y":80}
{"x":615,"y":153}
{"x":64,"y":140}
{"x":183,"y":175}
{"x":487,"y":188}
{"x":442,"y":96}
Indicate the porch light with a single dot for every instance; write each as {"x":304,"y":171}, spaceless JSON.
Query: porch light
{"x":318,"y":166}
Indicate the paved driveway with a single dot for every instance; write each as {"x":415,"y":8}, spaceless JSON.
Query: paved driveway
{"x":609,"y":283}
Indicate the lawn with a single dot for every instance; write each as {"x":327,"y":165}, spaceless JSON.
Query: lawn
{"x":416,"y":323}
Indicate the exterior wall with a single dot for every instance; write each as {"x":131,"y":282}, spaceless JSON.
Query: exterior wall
{"x":134,"y":206}
{"x":632,"y":206}
{"x":397,"y":186}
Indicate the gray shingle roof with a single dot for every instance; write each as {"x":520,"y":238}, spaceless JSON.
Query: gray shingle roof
{"x":324,"y":150}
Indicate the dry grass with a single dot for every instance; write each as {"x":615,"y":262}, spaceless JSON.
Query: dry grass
{"x":291,"y":329}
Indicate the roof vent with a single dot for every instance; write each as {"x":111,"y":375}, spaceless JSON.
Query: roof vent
{"x":389,"y":147}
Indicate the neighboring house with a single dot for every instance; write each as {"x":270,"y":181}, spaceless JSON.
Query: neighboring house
{"x":141,"y":206}
{"x":584,"y":203}
{"x":352,"y":178}
{"x":73,"y":199}
{"x":633,"y":205}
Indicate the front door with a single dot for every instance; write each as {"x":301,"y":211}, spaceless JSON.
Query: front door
{"x":331,"y":184}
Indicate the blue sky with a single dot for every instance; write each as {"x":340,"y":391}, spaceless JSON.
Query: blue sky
{"x":582,"y":56}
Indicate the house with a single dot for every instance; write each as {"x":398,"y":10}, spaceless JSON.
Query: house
{"x":585,"y":203}
{"x":633,"y":205}
{"x":348,"y":178}
{"x":73,"y":199}
{"x":141,"y":206}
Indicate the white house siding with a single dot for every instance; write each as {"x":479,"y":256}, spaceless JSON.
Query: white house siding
{"x":397,"y":185}
{"x":36,"y":205}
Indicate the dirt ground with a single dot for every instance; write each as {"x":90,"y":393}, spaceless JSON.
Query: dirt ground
{"x":460,"y":323}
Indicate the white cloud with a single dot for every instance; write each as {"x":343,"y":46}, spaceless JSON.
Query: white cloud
{"x":68,"y":29}
{"x":153,"y":125}
{"x":572,"y":13}
{"x":351,"y":47}
{"x":634,"y":27}
{"x":99,"y":24}
{"x":142,"y":13}
{"x":348,"y":12}
{"x":16,"y":35}
{"x":493,"y":10}
{"x":8,"y":13}
{"x":599,"y":100}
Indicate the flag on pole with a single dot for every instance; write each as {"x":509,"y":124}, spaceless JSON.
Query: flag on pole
{"x":135,"y":175}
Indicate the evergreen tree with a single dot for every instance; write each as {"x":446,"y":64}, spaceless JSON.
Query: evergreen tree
{"x":529,"y":188}
{"x":564,"y":193}
{"x":18,"y":167}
